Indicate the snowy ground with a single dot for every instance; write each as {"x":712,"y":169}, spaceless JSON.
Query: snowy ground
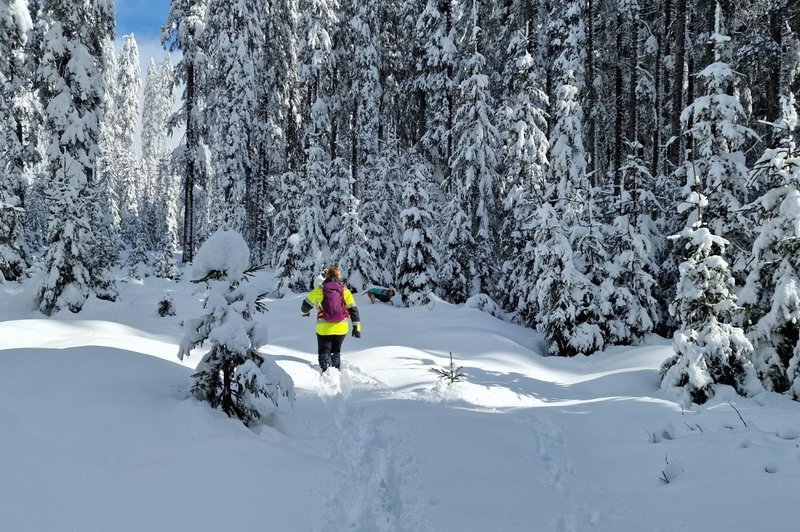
{"x":97,"y":432}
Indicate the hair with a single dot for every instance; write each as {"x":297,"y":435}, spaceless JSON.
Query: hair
{"x":333,"y":272}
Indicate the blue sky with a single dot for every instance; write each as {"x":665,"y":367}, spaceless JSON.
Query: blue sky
{"x":143,"y":18}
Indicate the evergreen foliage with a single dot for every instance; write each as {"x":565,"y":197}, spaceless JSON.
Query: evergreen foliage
{"x":417,"y":260}
{"x":772,"y":292}
{"x":233,"y":375}
{"x":15,"y":25}
{"x":71,"y":74}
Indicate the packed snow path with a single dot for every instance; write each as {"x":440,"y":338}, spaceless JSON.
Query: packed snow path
{"x":373,"y":467}
{"x":98,"y":432}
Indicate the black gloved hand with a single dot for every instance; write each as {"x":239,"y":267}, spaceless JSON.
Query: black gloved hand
{"x":356,"y":333}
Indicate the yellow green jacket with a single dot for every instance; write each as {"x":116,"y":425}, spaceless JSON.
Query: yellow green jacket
{"x":314,"y":300}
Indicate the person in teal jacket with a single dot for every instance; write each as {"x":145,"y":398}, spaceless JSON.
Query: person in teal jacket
{"x":335,"y":306}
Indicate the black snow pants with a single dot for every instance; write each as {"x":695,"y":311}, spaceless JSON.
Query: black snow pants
{"x":329,"y":349}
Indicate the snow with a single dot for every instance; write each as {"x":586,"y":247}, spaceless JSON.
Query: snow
{"x":225,"y":251}
{"x":99,"y":431}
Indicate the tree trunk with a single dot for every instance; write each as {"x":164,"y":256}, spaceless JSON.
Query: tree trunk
{"x":591,"y":133}
{"x":679,"y":58}
{"x":189,"y":180}
{"x":618,"y":105}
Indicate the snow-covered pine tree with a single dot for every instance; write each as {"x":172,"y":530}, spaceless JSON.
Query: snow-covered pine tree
{"x":708,"y":349}
{"x":183,"y":31}
{"x":71,"y":84}
{"x":128,"y":189}
{"x":456,"y":272}
{"x":435,"y":78}
{"x":354,"y":257}
{"x":633,"y":241}
{"x":474,"y":163}
{"x":714,"y":123}
{"x":367,"y":91}
{"x":379,"y":208}
{"x":161,"y":186}
{"x":335,"y":191}
{"x":15,"y":24}
{"x":165,"y":266}
{"x":569,"y":258}
{"x":302,"y":240}
{"x":417,"y":260}
{"x":233,"y":376}
{"x":772,"y":293}
{"x":153,"y":126}
{"x":138,"y":261}
{"x":233,"y":86}
{"x":522,"y":122}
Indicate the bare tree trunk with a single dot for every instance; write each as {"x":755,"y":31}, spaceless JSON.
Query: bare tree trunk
{"x":189,"y":180}
{"x":591,"y":97}
{"x":618,"y":105}
{"x":677,"y":80}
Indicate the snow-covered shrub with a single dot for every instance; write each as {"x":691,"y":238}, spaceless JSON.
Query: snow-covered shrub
{"x":233,"y":375}
{"x":165,"y":306}
{"x":486,"y":304}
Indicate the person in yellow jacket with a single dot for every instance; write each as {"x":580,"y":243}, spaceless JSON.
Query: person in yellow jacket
{"x":335,"y":305}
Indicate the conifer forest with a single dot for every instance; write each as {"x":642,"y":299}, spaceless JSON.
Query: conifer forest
{"x":597,"y":170}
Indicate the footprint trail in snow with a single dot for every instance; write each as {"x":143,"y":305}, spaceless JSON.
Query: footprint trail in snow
{"x":374,"y":467}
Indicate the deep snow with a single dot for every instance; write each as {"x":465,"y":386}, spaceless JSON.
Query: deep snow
{"x":97,"y":432}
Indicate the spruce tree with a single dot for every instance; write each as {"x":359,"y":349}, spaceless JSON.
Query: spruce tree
{"x":569,"y":258}
{"x":709,"y":350}
{"x":183,"y":31}
{"x":72,"y":88}
{"x":233,"y":375}
{"x":128,"y":189}
{"x":417,"y":259}
{"x":523,"y":168}
{"x":474,"y":163}
{"x":234,"y":40}
{"x":772,"y":292}
{"x":713,"y":123}
{"x":15,"y":26}
{"x":634,"y":240}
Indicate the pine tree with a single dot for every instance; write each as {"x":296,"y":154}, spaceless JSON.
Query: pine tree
{"x":139,"y":262}
{"x":474,"y":165}
{"x":570,"y":258}
{"x":233,"y":375}
{"x":15,"y":25}
{"x":379,"y":210}
{"x":713,"y":123}
{"x":160,"y":183}
{"x":367,"y":92}
{"x":634,"y":240}
{"x":302,"y":241}
{"x":772,"y":292}
{"x":435,"y":79}
{"x":165,"y":265}
{"x":129,"y":191}
{"x":183,"y":31}
{"x":352,"y":243}
{"x":417,"y":260}
{"x":72,"y":87}
{"x":234,"y":39}
{"x":524,"y":162}
{"x":708,"y":349}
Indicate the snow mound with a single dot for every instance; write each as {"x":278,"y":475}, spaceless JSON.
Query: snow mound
{"x":226,"y":252}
